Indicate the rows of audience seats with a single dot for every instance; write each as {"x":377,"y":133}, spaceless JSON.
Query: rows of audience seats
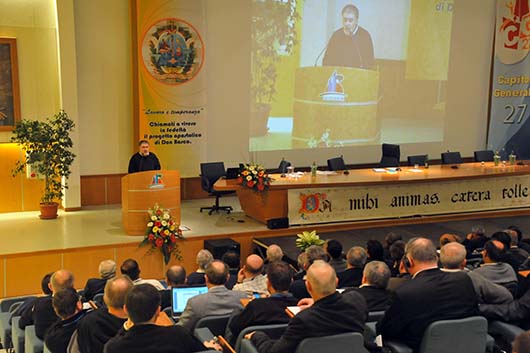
{"x":469,"y":293}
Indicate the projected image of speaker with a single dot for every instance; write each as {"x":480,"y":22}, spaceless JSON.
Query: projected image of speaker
{"x":218,"y":247}
{"x":278,"y":223}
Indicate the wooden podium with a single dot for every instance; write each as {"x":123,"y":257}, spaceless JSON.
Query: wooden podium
{"x":342,"y":113}
{"x":139,"y":194}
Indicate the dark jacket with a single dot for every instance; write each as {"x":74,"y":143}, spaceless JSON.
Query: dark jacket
{"x":95,"y":329}
{"x":331,"y":315}
{"x":350,"y":278}
{"x":517,"y":311}
{"x":377,"y":299}
{"x":263,"y":311}
{"x":431,"y":296}
{"x":139,"y":163}
{"x":153,"y":339}
{"x":58,"y":335}
{"x":92,"y":287}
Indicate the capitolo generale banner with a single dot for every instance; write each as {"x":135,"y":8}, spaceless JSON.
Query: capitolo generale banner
{"x":323,"y":205}
{"x":509,"y":128}
{"x":169,"y":81}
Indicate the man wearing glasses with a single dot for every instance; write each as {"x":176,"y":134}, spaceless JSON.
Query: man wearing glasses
{"x":351,"y":45}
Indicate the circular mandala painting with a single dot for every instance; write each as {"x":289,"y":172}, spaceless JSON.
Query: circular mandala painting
{"x":172,"y":51}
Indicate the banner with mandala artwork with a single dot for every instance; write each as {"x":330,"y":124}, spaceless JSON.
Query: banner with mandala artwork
{"x":169,"y":82}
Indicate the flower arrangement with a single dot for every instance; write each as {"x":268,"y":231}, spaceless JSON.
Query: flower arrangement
{"x":306,"y":239}
{"x":162,"y":233}
{"x":254,"y":176}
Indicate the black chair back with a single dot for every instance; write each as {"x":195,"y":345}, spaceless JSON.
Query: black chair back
{"x":282,"y":168}
{"x":451,"y":158}
{"x":484,"y":156}
{"x":210,"y":173}
{"x":418,"y":159}
{"x":336,"y":163}
{"x":390,"y":155}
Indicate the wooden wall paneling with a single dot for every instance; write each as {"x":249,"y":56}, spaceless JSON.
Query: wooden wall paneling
{"x":2,"y":278}
{"x":84,"y":263}
{"x":92,"y":190}
{"x":191,"y":189}
{"x":24,"y":272}
{"x":113,"y":189}
{"x":11,"y":187}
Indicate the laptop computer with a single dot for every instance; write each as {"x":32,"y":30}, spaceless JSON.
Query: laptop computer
{"x":181,"y":295}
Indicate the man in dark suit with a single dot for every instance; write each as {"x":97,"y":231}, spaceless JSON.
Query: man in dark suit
{"x":298,"y":287}
{"x":142,"y":305}
{"x":93,"y":286}
{"x":375,"y":279}
{"x":270,"y":310}
{"x":67,"y":304}
{"x":353,"y":275}
{"x":430,"y":295}
{"x":100,"y":325}
{"x":332,"y":313}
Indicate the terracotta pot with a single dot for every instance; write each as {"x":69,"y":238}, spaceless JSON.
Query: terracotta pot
{"x":48,"y":210}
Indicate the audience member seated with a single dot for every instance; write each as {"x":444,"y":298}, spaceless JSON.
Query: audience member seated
{"x":68,"y":306}
{"x":521,"y":243}
{"x":44,"y":315}
{"x":521,"y":344}
{"x":250,"y":278}
{"x":175,"y":277}
{"x":301,"y":260}
{"x":93,"y":286}
{"x":449,"y":238}
{"x":515,"y":256}
{"x":131,"y":268}
{"x":332,"y":313}
{"x":374,"y":250}
{"x":274,"y":253}
{"x":142,"y":305}
{"x":298,"y":287}
{"x":232,"y":260}
{"x":375,"y":279}
{"x":517,"y":311}
{"x":475,"y":240}
{"x":100,"y":325}
{"x":270,"y":310}
{"x":430,"y":295}
{"x":352,"y":276}
{"x":218,"y":301}
{"x":495,"y":270}
{"x":204,"y":257}
{"x":402,"y":277}
{"x":334,"y":249}
{"x":453,"y":259}
{"x":397,"y":250}
{"x":27,"y":312}
{"x":390,"y":239}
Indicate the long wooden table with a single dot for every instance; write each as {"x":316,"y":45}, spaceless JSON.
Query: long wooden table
{"x":365,"y":187}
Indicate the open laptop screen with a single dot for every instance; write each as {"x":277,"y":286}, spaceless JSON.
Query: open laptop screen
{"x":180,"y":296}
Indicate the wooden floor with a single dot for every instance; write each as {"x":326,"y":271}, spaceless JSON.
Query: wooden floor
{"x":30,"y":247}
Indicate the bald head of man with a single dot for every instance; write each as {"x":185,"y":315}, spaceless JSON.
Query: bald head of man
{"x":321,"y":280}
{"x":253,"y":266}
{"x":453,"y":256}
{"x":61,"y":279}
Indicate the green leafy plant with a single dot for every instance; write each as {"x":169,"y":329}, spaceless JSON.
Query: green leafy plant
{"x":306,"y":239}
{"x":273,"y":32}
{"x":47,"y":147}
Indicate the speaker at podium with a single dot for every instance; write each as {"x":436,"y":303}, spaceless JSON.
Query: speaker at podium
{"x":335,"y":106}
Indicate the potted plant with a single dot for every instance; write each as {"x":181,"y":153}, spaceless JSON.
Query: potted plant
{"x":306,"y":239}
{"x":47,"y":147}
{"x":273,"y":35}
